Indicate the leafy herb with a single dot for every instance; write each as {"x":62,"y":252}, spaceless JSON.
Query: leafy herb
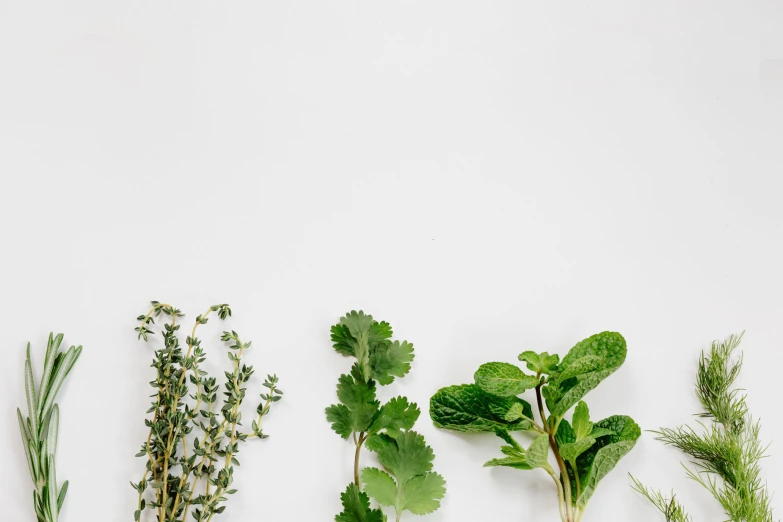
{"x":407,"y":481}
{"x":727,"y":450}
{"x":39,"y":429}
{"x":584,"y":451}
{"x":211,"y":455}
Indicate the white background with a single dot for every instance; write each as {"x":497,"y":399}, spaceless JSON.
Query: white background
{"x":489,"y":177}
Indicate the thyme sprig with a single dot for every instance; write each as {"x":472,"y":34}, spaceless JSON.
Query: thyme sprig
{"x":40,"y":428}
{"x":726,"y":450}
{"x":206,"y":469}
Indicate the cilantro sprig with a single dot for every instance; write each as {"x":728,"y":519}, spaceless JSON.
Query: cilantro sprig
{"x":578,"y":454}
{"x":406,"y":481}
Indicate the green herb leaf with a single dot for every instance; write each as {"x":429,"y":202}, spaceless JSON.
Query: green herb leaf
{"x":605,"y":453}
{"x":358,"y":405}
{"x":356,"y":507}
{"x":503,"y":379}
{"x":586,"y":365}
{"x":538,"y":452}
{"x":542,"y":363}
{"x":470,"y":409}
{"x":394,"y":417}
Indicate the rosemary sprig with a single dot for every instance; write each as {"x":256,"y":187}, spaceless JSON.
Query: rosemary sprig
{"x":212,"y":456}
{"x":727,"y":449}
{"x":39,"y":429}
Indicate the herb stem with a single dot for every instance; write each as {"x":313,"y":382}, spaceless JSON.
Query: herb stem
{"x":362,"y":438}
{"x":560,"y":463}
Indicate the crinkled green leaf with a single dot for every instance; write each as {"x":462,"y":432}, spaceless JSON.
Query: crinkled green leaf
{"x":390,"y":360}
{"x":503,"y":379}
{"x":395,"y":416}
{"x":565,"y":433}
{"x":358,"y":405}
{"x":594,"y":464}
{"x":538,"y":452}
{"x":572,"y":450}
{"x":586,"y":365}
{"x":356,"y":507}
{"x":581,"y":421}
{"x":516,"y":412}
{"x":515,"y":454}
{"x":468,"y":408}
{"x":540,"y":362}
{"x":404,"y":457}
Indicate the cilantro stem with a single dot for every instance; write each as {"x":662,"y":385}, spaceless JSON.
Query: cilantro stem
{"x":359,"y":443}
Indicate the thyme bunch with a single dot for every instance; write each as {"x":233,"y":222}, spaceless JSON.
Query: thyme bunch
{"x":40,"y":428}
{"x":726,"y":450}
{"x":186,"y":401}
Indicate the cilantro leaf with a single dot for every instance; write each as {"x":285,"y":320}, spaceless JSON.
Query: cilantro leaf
{"x":395,"y":416}
{"x":423,"y":493}
{"x":404,"y":457}
{"x":407,"y":482}
{"x":380,"y":485}
{"x":356,"y":507}
{"x":360,"y":336}
{"x":470,"y":409}
{"x":358,"y":405}
{"x":390,"y":360}
{"x":503,"y":379}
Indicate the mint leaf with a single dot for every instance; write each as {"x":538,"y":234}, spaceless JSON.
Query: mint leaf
{"x":390,"y":360}
{"x":515,"y":453}
{"x":540,"y":362}
{"x":601,"y":458}
{"x":358,"y":407}
{"x":517,"y":412}
{"x":538,"y":452}
{"x":356,"y":507}
{"x":586,"y":365}
{"x":572,"y":450}
{"x":395,"y":416}
{"x":503,"y":379}
{"x":468,"y":408}
{"x":565,"y":433}
{"x":581,"y":421}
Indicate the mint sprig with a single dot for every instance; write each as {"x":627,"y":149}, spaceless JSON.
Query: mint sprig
{"x":577,"y":455}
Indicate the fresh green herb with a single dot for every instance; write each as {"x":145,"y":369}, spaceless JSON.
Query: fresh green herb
{"x":584,"y":451}
{"x":39,"y":429}
{"x":211,"y":455}
{"x":407,"y":481}
{"x":727,"y":451}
